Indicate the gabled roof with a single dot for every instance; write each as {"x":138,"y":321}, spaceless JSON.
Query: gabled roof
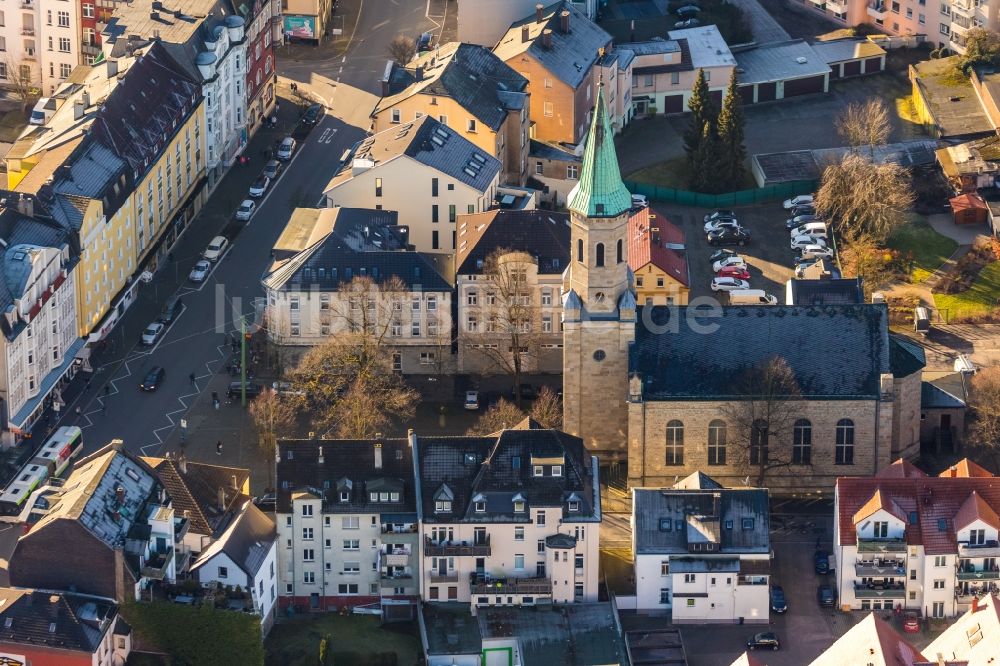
{"x":688,"y":364}
{"x":878,"y":502}
{"x":58,"y":620}
{"x":900,"y":469}
{"x":195,"y":489}
{"x":829,"y":291}
{"x":648,"y":234}
{"x":478,"y":81}
{"x":967,"y":469}
{"x":933,"y":396}
{"x":247,"y":541}
{"x":972,"y":638}
{"x":541,"y":233}
{"x":905,"y":356}
{"x":976,"y":508}
{"x":572,"y":54}
{"x":747,"y":659}
{"x":600,"y":191}
{"x":871,"y":641}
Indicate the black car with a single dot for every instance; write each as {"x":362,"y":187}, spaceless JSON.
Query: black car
{"x":766,"y":640}
{"x":729,"y":236}
{"x":804,"y":209}
{"x":171,"y":310}
{"x":778,"y":603}
{"x":528,"y":392}
{"x":718,"y":255}
{"x":821,"y":562}
{"x":423,"y":42}
{"x":824,"y":595}
{"x":313,"y":114}
{"x":153,"y":379}
{"x":235,"y":390}
{"x":266,"y":502}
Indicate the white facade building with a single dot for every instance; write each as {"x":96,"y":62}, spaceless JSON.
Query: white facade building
{"x":41,"y":41}
{"x":702,"y":551}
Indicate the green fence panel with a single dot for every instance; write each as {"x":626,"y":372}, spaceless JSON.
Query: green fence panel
{"x":724,"y":200}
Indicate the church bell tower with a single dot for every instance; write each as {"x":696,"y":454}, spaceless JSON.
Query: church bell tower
{"x":598,"y":302}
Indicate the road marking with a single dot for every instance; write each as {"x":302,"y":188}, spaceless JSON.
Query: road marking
{"x":351,"y":38}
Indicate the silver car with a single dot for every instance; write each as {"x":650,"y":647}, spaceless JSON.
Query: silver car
{"x":152,"y":333}
{"x":286,"y":149}
{"x":200,"y":271}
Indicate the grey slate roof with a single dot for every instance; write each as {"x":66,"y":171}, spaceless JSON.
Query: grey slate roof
{"x":779,"y":61}
{"x":547,"y":151}
{"x":935,"y":397}
{"x":905,"y":356}
{"x":543,"y":234}
{"x":247,"y":541}
{"x":91,"y":171}
{"x":693,"y":364}
{"x":725,"y":507}
{"x":58,"y":620}
{"x":844,"y":291}
{"x":571,"y":56}
{"x":498,"y":467}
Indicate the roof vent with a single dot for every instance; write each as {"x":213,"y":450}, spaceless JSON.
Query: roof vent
{"x":802,"y":60}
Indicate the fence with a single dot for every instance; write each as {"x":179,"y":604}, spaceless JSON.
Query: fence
{"x":728,"y":199}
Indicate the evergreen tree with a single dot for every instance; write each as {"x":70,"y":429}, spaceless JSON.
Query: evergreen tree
{"x":705,"y":162}
{"x":700,"y":105}
{"x":731,"y":151}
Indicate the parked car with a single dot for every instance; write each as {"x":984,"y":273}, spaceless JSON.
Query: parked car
{"x":728,"y":284}
{"x":152,"y":333}
{"x":738,"y":272}
{"x":802,"y":264}
{"x":216,"y":248}
{"x":732,"y":260}
{"x":246,"y":210}
{"x":727,"y":236}
{"x":801,"y":200}
{"x":639,"y":201}
{"x":814,"y":229}
{"x":825,"y":596}
{"x":286,"y":388}
{"x":805,"y":209}
{"x":799,"y":242}
{"x":716,"y":214}
{"x":821,"y":562}
{"x":313,"y":114}
{"x":765,"y":640}
{"x":528,"y":392}
{"x":778,"y":603}
{"x":259,"y":186}
{"x":423,"y":42}
{"x":153,"y":379}
{"x":171,"y":310}
{"x":266,"y":502}
{"x":721,"y":223}
{"x":721,"y":254}
{"x":911,"y":622}
{"x":471,"y":400}
{"x":815,"y":251}
{"x":200,"y":271}
{"x":688,"y":23}
{"x":285,"y":149}
{"x":272,"y":169}
{"x":234,"y":391}
{"x":799,"y":220}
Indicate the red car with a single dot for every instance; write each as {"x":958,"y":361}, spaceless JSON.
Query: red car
{"x":738,"y":272}
{"x":911,"y":623}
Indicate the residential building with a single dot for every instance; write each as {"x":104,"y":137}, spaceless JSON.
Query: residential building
{"x":556,"y":49}
{"x":94,"y":16}
{"x":470,"y":90}
{"x":263,"y":31}
{"x":903,"y":539}
{"x":311,"y":298}
{"x":208,"y":41}
{"x":614,"y":70}
{"x":244,"y":555}
{"x":120,"y":522}
{"x":943,"y":402}
{"x":972,"y":639}
{"x":424,"y":170}
{"x":657,"y":260}
{"x":42,"y":628}
{"x":485,"y":21}
{"x":513,"y":302}
{"x":41,"y":41}
{"x":702,"y":551}
{"x":873,"y":641}
{"x":347,"y":523}
{"x":586,"y":634}
{"x":509,"y":519}
{"x":306,"y":20}
{"x":554,"y":171}
{"x":972,"y":165}
{"x":40,"y":341}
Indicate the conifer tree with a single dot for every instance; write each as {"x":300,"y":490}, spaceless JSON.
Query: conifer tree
{"x":700,"y":105}
{"x":731,"y":151}
{"x":704,"y":162}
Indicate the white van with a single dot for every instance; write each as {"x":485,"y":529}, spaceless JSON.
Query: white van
{"x":814,"y":229}
{"x":751,"y":297}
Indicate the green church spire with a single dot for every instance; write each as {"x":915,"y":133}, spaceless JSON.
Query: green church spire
{"x":600,"y":192}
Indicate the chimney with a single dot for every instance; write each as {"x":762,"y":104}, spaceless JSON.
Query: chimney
{"x":525,"y":34}
{"x":385,"y":87}
{"x":236,"y":486}
{"x":564,"y":22}
{"x":155,"y":16}
{"x":112,"y":68}
{"x":321,"y":461}
{"x":222,"y":498}
{"x":953,"y":471}
{"x":547,"y":39}
{"x":182,"y":463}
{"x":26,"y":205}
{"x":420,"y":73}
{"x":378,"y":455}
{"x":539,"y":9}
{"x":975,"y":604}
{"x":78,"y":109}
{"x":120,"y":495}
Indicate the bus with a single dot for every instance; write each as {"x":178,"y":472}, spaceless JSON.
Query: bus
{"x":50,"y":461}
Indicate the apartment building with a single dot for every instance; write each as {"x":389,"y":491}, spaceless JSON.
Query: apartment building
{"x":513,"y":298}
{"x":657,"y":259}
{"x":41,"y":40}
{"x":484,"y":21}
{"x":312,"y":295}
{"x":347,"y":523}
{"x":469,"y":89}
{"x":424,"y":170}
{"x":40,"y":341}
{"x":263,"y":31}
{"x":702,"y":551}
{"x":903,"y":539}
{"x":508,"y":519}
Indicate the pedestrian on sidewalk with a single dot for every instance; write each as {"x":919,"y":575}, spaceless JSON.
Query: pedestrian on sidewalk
{"x":191,"y":377}
{"x":218,"y":448}
{"x":78,"y":410}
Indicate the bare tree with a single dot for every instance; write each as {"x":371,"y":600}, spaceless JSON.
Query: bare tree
{"x":984,"y":399}
{"x":502,"y":415}
{"x":863,"y":199}
{"x":273,"y":415}
{"x":510,"y":330}
{"x":347,"y":385}
{"x":864,"y":124}
{"x":763,"y":417}
{"x":402,"y":49}
{"x":547,"y":409}
{"x":21,"y":79}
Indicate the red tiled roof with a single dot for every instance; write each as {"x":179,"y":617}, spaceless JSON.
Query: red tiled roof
{"x":900,"y":469}
{"x":878,"y":502}
{"x":966,"y":468}
{"x":931,"y":498}
{"x":976,"y":508}
{"x":648,"y":230}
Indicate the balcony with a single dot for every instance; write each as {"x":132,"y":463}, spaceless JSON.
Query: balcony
{"x":27,"y":4}
{"x":881,"y":546}
{"x":157,"y":564}
{"x":181,"y":561}
{"x":878,"y":11}
{"x":397,"y":559}
{"x":398,"y":529}
{"x":444,"y":578}
{"x":972,"y":574}
{"x":988,"y":549}
{"x":181,"y":526}
{"x":457,"y":548}
{"x":836,"y":6}
{"x":879,"y":568}
{"x":891,"y":591}
{"x":542,"y":586}
{"x":90,"y":49}
{"x":396,"y":575}
{"x":28,"y":32}
{"x":963,"y":8}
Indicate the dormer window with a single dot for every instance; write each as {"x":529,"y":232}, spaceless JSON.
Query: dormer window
{"x":393,"y":497}
{"x":666,"y":524}
{"x":442,"y":506}
{"x":574,"y":506}
{"x":383,"y":497}
{"x":518,"y":507}
{"x":538,"y":470}
{"x":557,"y":470}
{"x":480,"y":507}
{"x":748,"y":523}
{"x":345,"y":496}
{"x":373,"y":497}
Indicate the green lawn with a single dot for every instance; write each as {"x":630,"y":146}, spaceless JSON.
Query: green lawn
{"x":929,"y":248}
{"x":357,"y":639}
{"x":979,"y":299}
{"x":674,"y":173}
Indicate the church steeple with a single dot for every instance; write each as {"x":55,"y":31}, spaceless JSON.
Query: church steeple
{"x":600,"y":191}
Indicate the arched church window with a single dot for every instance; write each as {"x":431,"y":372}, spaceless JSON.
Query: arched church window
{"x":621,"y":253}
{"x":579,"y":250}
{"x":599,"y":250}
